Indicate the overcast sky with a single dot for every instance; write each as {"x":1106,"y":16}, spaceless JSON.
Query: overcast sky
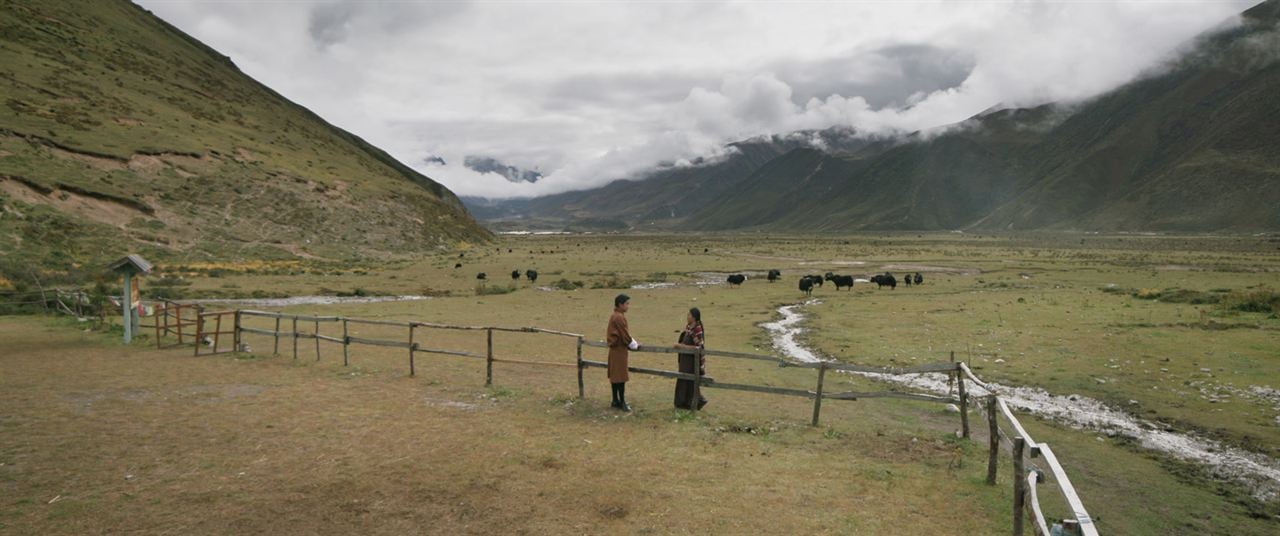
{"x":588,"y":92}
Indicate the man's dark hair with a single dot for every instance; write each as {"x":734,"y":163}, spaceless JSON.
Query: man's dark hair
{"x":621,"y":299}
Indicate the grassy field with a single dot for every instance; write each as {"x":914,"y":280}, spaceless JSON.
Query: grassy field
{"x":140,"y":439}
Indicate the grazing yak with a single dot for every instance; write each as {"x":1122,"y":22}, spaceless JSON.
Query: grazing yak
{"x":515,"y":275}
{"x":817,"y":279}
{"x":457,"y":265}
{"x":806,"y":286}
{"x":774,"y":275}
{"x":886,"y":280}
{"x":919,"y":278}
{"x":736,"y":279}
{"x":906,"y":280}
{"x":840,"y":280}
{"x":481,"y":276}
{"x":532,"y":275}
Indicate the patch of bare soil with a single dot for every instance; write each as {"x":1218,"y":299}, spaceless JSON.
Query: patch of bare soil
{"x":99,"y":210}
{"x":95,"y":162}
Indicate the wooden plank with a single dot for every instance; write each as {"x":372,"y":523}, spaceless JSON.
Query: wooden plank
{"x":993,"y":441}
{"x":554,"y":332}
{"x":488,"y":358}
{"x":295,"y":338}
{"x":316,"y":336}
{"x":964,"y":403}
{"x":447,"y":326}
{"x":448,"y":352}
{"x":817,"y":395}
{"x":742,"y":355}
{"x":758,"y":388}
{"x":652,"y":372}
{"x":276,"y":350}
{"x":412,"y":347}
{"x":1087,"y":528}
{"x":1037,"y":515}
{"x":854,"y":395}
{"x":346,"y":344}
{"x":1019,"y":485}
{"x":523,"y":362}
{"x":581,"y":387}
{"x":895,"y":371}
{"x":268,"y":314}
{"x":328,"y":338}
{"x":1017,"y":428}
{"x":378,"y":342}
{"x":964,"y":367}
{"x":397,"y":323}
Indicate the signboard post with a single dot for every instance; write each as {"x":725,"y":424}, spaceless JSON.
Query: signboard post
{"x":130,"y":267}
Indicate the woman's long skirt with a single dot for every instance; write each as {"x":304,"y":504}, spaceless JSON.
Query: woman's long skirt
{"x":686,"y":390}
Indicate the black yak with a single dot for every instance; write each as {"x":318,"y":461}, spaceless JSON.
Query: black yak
{"x":919,"y":278}
{"x":806,"y":286}
{"x":841,"y":281}
{"x":774,"y":275}
{"x":736,"y":279}
{"x":885,"y":280}
{"x":515,"y":274}
{"x":532,"y":275}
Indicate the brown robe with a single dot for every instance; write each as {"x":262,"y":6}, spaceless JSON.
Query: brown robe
{"x":618,"y":337}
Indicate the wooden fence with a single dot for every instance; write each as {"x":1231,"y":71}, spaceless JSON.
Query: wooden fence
{"x":1026,"y":501}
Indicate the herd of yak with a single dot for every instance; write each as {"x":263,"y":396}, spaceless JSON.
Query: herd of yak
{"x":807,"y":282}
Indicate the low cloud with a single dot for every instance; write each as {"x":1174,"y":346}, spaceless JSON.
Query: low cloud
{"x":589,"y":93}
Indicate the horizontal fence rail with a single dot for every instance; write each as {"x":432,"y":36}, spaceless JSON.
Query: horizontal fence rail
{"x":173,"y":317}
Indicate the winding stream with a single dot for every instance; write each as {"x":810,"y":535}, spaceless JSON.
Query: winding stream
{"x":1260,"y":473}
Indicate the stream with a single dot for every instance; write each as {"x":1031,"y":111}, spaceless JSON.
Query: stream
{"x":1258,"y":472}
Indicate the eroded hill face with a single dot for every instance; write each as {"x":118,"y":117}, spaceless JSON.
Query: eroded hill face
{"x":118,"y":132}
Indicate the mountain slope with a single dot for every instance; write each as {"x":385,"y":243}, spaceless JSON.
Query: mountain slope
{"x":120,"y":132}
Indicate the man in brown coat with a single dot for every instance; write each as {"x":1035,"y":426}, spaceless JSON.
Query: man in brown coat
{"x":620,"y":341}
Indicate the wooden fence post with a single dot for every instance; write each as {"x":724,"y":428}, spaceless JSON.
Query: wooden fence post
{"x":159,"y":314}
{"x":817,"y":400}
{"x":295,"y":337}
{"x":581,"y":388}
{"x":275,"y":350}
{"x":412,"y":372}
{"x":317,"y":334}
{"x":964,"y":404}
{"x":1019,"y":484}
{"x":217,"y":331}
{"x":236,"y":337}
{"x":199,"y":329}
{"x":346,"y":342}
{"x":179,"y":321}
{"x":995,"y":440}
{"x":488,"y":360}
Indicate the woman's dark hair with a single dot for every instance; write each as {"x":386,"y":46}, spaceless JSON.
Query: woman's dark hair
{"x":697,"y":315}
{"x":621,"y":299}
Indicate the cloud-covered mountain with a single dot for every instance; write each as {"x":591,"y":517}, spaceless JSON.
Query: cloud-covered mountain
{"x":1188,"y":147}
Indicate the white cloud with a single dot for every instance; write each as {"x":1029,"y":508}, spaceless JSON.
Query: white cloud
{"x":587,"y":93}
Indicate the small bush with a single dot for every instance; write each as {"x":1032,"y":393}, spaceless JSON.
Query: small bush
{"x":487,"y":290}
{"x":1252,"y":301}
{"x":565,"y":284}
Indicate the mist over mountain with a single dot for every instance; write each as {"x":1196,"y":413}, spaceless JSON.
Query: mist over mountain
{"x":484,"y":164}
{"x":1189,"y":147}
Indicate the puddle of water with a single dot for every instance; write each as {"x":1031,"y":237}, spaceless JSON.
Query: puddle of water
{"x":1259,"y":472}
